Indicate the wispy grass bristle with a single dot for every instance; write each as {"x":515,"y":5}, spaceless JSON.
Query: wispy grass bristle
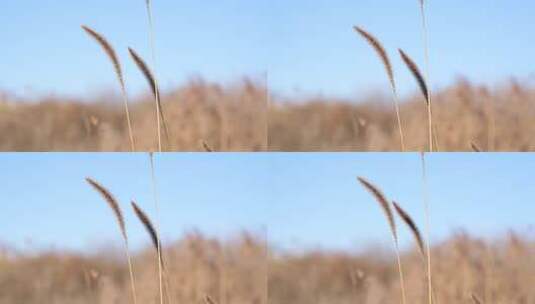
{"x":412,"y":227}
{"x":416,"y":73}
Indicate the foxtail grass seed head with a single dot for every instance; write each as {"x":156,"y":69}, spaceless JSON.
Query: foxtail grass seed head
{"x":416,"y":73}
{"x":412,"y":226}
{"x":112,"y":202}
{"x":383,"y":202}
{"x":145,"y":70}
{"x":381,"y":52}
{"x":149,"y":76}
{"x":147,"y":223}
{"x":109,"y":50}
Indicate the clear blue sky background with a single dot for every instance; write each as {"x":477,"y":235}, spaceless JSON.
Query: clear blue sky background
{"x":307,"y":45}
{"x":304,"y":200}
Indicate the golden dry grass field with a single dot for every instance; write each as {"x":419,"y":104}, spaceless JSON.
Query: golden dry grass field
{"x":238,"y":118}
{"x":234,"y":271}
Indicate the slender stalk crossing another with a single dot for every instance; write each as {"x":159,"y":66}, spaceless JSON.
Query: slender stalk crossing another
{"x":418,"y":76}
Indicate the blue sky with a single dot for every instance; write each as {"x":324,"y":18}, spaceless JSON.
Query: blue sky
{"x":308,"y":47}
{"x":304,"y":200}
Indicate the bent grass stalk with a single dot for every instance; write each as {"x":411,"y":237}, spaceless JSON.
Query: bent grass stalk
{"x":418,"y":76}
{"x":112,"y":55}
{"x":155,"y":239}
{"x":149,"y":76}
{"x":415,"y":233}
{"x":412,"y":227}
{"x":381,"y":52}
{"x":385,"y":206}
{"x":114,"y":206}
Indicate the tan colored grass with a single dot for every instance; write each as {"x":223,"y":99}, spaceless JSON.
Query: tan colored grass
{"x":427,"y":68}
{"x":114,"y":206}
{"x":112,"y":55}
{"x":112,"y":203}
{"x":385,"y":206}
{"x":153,"y":84}
{"x":412,"y":227}
{"x":427,"y":227}
{"x":206,"y":147}
{"x":209,"y":300}
{"x":159,"y":110}
{"x":226,"y":116}
{"x":476,"y":299}
{"x":415,"y":71}
{"x":149,"y":227}
{"x":383,"y":203}
{"x":381,"y":52}
{"x":475,"y":147}
{"x":157,"y":207}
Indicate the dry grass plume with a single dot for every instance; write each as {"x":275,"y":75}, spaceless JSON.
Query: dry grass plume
{"x":110,"y":51}
{"x":149,"y":76}
{"x":381,"y":52}
{"x":385,"y":205}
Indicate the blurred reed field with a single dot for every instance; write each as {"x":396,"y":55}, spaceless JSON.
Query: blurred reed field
{"x":231,"y":271}
{"x":465,"y":270}
{"x":231,"y":118}
{"x":495,"y":271}
{"x":465,"y":115}
{"x":235,"y":118}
